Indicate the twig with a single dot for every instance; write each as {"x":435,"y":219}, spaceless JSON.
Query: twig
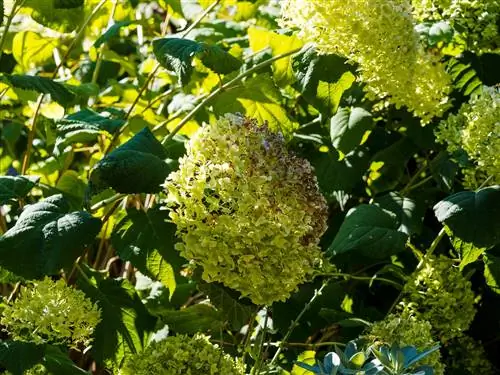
{"x":224,"y":87}
{"x":295,"y":323}
{"x":361,"y":278}
{"x":408,"y":186}
{"x":15,"y":7}
{"x":107,"y":201}
{"x":14,"y":292}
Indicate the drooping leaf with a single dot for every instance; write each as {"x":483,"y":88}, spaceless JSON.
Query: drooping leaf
{"x":370,"y":231}
{"x":467,"y":251}
{"x":193,"y":319}
{"x":47,"y":238}
{"x":41,"y":85}
{"x":137,"y":166}
{"x":147,"y":240}
{"x":409,"y":214}
{"x":58,"y":362}
{"x":348,"y":126}
{"x":60,"y":15}
{"x":472,"y":216}
{"x":15,"y":187}
{"x":19,"y":356}
{"x":125,"y":325}
{"x":83,"y":127}
{"x":177,"y":55}
{"x":492,"y":272}
{"x":257,"y":98}
{"x":112,"y":31}
{"x":236,"y":313}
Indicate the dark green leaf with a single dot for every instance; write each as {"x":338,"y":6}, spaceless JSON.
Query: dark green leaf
{"x":137,"y":166}
{"x":370,"y":231}
{"x":83,"y":127}
{"x":18,"y":356}
{"x":47,"y":238}
{"x":408,"y":213}
{"x":2,"y":12}
{"x":125,"y":325}
{"x":473,"y":216}
{"x":444,"y":170}
{"x":492,"y":272}
{"x":236,"y":313}
{"x":15,"y":187}
{"x":464,"y":77}
{"x":193,"y":319}
{"x":177,"y":55}
{"x":348,"y":126}
{"x":58,"y":362}
{"x":42,"y":85}
{"x":147,"y":240}
{"x":112,"y":31}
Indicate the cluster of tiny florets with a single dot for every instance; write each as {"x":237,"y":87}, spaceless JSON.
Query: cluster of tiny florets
{"x":183,"y":355}
{"x":440,"y":294}
{"x":467,"y":356}
{"x":247,"y":210}
{"x":379,"y":36}
{"x":475,"y":129}
{"x":476,"y":20}
{"x":405,"y":328}
{"x":51,"y":312}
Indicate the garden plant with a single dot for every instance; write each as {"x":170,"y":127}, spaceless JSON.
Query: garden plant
{"x":234,"y":187}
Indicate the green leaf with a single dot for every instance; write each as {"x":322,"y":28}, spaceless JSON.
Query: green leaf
{"x":236,"y":313}
{"x":43,"y":85}
{"x":58,"y":362}
{"x":18,"y":356}
{"x":47,"y":238}
{"x":492,"y":272}
{"x":125,"y":325}
{"x":193,"y":319}
{"x":370,"y":231}
{"x":464,"y":77}
{"x":409,"y":214}
{"x":177,"y":55}
{"x":137,"y":166}
{"x":83,"y":127}
{"x":2,"y":12}
{"x":257,"y":98}
{"x":329,"y":94}
{"x":467,"y":251}
{"x":73,"y":188}
{"x":15,"y":187}
{"x":112,"y":31}
{"x":147,"y":240}
{"x":31,"y":49}
{"x":348,"y":127}
{"x":59,"y":15}
{"x":472,"y":216}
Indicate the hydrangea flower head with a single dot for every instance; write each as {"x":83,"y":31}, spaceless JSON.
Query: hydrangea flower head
{"x":405,"y":328}
{"x":183,"y":355}
{"x":443,"y":296}
{"x":51,"y":312}
{"x":247,"y":210}
{"x":476,"y":19}
{"x":475,"y":129}
{"x":379,"y":36}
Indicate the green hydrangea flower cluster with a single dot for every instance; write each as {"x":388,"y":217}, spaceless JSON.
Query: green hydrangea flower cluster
{"x":477,"y":20}
{"x":475,"y":129}
{"x":379,"y":36}
{"x":440,"y":294}
{"x":51,"y":312}
{"x":247,"y":210}
{"x":183,"y":355}
{"x":467,"y":356}
{"x":405,"y":328}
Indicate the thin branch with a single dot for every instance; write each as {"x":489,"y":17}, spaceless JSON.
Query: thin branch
{"x":15,"y":7}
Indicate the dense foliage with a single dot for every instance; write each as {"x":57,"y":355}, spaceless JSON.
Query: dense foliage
{"x":249,"y":187}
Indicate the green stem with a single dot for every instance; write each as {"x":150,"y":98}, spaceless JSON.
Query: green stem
{"x":15,"y":8}
{"x":295,"y":323}
{"x":107,"y":201}
{"x":418,"y":184}
{"x":433,"y":246}
{"x":415,"y":177}
{"x":224,"y":87}
{"x":258,"y":362}
{"x":248,"y":336}
{"x":364,"y":278}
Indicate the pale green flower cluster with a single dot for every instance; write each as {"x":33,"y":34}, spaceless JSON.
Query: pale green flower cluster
{"x":51,"y":312}
{"x":467,"y":356}
{"x":475,"y":129}
{"x":441,"y":295}
{"x":476,"y":20}
{"x":405,"y":328}
{"x":379,"y":36}
{"x":183,"y":355}
{"x":247,"y":210}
